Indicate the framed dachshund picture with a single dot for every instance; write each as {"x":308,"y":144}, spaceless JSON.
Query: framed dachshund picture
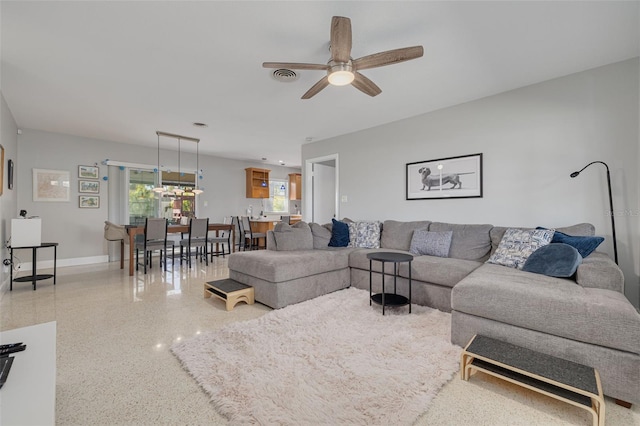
{"x":454,"y":177}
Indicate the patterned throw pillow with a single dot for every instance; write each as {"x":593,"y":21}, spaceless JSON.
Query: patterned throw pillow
{"x":364,"y":234}
{"x":431,"y":243}
{"x":517,"y":245}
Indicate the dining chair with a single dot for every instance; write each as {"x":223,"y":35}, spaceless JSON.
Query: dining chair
{"x":115,"y":232}
{"x":251,"y":239}
{"x":237,"y":224}
{"x":198,"y":238}
{"x":285,"y":219}
{"x":220,"y":240}
{"x":154,"y":238}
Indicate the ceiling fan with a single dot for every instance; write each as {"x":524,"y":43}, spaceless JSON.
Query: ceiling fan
{"x":342,"y":69}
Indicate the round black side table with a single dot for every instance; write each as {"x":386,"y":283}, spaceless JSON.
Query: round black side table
{"x":389,"y":299}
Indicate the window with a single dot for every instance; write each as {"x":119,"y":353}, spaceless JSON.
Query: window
{"x":278,"y":201}
{"x":143,"y":202}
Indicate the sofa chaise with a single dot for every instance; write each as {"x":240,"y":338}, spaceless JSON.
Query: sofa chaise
{"x":585,"y":318}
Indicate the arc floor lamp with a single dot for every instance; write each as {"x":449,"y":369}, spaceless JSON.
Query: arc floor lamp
{"x":611,"y":213}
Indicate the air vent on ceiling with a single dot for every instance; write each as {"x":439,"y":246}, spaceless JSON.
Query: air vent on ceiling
{"x":284,"y":75}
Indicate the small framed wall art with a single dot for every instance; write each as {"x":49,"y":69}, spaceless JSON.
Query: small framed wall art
{"x":89,"y":186}
{"x":453,"y":177}
{"x":88,"y":172}
{"x":89,"y":202}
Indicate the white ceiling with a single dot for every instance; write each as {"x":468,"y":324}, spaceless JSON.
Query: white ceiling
{"x":121,"y":70}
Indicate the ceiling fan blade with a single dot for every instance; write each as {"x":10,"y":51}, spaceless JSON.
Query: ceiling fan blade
{"x":389,"y":57}
{"x":324,"y":82}
{"x":340,"y":39}
{"x":294,"y":66}
{"x":365,"y":85}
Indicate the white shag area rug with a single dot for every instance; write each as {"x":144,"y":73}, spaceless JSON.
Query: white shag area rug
{"x":331,"y":360}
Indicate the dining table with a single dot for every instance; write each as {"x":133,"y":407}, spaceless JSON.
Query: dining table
{"x":134,"y":230}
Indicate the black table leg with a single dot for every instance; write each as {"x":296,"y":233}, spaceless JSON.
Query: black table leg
{"x":11,"y":270}
{"x":409,"y":286}
{"x":383,"y":288}
{"x":55,"y":259}
{"x":33,"y":267}
{"x":370,"y":284}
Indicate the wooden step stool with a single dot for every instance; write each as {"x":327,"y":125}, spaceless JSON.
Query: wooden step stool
{"x":230,"y":291}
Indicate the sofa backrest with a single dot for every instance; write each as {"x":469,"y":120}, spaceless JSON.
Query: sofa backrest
{"x":468,"y":242}
{"x":397,"y":235}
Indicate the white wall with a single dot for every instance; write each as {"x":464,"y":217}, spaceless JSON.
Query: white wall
{"x":532,"y":139}
{"x":80,"y":231}
{"x":8,"y":199}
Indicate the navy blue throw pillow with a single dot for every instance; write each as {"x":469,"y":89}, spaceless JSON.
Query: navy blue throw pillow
{"x":339,"y":234}
{"x":555,"y":260}
{"x":584,"y":245}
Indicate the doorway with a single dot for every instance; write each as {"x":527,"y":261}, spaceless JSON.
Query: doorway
{"x":321,"y":189}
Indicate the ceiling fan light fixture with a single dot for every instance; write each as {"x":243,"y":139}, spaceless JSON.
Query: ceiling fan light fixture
{"x":340,"y":74}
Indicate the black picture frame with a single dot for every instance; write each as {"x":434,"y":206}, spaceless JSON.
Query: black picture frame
{"x":10,"y":174}
{"x":452,"y":177}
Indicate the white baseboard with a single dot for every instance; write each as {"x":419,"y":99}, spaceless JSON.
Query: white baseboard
{"x":76,"y":261}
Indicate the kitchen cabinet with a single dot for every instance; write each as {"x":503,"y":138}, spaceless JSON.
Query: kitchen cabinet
{"x":257,"y":182}
{"x":295,"y":186}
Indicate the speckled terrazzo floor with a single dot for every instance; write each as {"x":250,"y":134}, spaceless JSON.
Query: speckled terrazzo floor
{"x":114,"y":365}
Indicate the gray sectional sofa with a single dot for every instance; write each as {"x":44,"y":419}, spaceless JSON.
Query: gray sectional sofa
{"x":586,"y":319}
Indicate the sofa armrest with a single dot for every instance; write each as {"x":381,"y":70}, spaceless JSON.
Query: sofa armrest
{"x":599,"y":271}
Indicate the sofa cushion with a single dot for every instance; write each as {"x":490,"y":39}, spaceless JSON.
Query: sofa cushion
{"x":436,"y":270}
{"x":444,"y":271}
{"x":470,"y":242}
{"x":290,"y":238}
{"x":364,"y":234}
{"x":555,"y":260}
{"x":339,"y":234}
{"x":279,"y":266}
{"x":430,"y":243}
{"x":549,"y":305}
{"x":397,"y":235}
{"x":321,"y":235}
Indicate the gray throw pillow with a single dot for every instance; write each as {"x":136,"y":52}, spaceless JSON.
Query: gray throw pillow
{"x":321,"y":236}
{"x":431,"y":243}
{"x":296,"y":237}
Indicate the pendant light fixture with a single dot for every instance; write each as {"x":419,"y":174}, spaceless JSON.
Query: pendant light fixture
{"x":159,"y":188}
{"x":178,"y":190}
{"x":197,"y":190}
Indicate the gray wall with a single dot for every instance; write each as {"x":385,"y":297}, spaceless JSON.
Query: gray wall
{"x":532,"y":139}
{"x":8,"y":199}
{"x":80,"y":231}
